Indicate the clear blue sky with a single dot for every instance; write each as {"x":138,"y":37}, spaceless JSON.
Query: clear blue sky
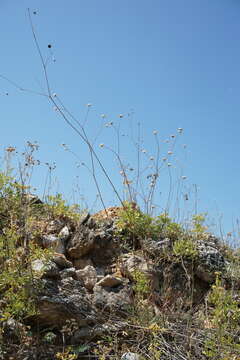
{"x":174,"y":63}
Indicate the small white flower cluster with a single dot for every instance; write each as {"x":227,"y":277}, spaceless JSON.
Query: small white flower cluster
{"x":109,"y":124}
{"x":64,"y":146}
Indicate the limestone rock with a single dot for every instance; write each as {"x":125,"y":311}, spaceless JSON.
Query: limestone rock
{"x":95,"y":241}
{"x":66,"y":273}
{"x":61,"y":261}
{"x":110,"y":281}
{"x":117,"y":299}
{"x":210,"y":259}
{"x":54,"y":226}
{"x":46,"y":269}
{"x":130,"y":356}
{"x":64,"y":233}
{"x":82,"y":263}
{"x":81,"y":244}
{"x":88,"y":275}
{"x":156,"y":248}
{"x":97,"y":331}
{"x":132,"y":263}
{"x":64,"y":300}
{"x":54,"y":242}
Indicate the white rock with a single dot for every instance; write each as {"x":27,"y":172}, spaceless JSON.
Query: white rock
{"x":109,"y":281}
{"x":130,"y":356}
{"x":38,"y":265}
{"x":88,"y":275}
{"x":64,"y":233}
{"x":54,"y":242}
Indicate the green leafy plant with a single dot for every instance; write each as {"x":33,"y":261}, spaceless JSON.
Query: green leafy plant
{"x":134,"y":223}
{"x":18,"y":287}
{"x":58,"y":208}
{"x":67,"y":354}
{"x":198,"y":226}
{"x":185,"y":248}
{"x":224,"y":318}
{"x":142,"y":286}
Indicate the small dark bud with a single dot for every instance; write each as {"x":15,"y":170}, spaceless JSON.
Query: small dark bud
{"x":49,"y":46}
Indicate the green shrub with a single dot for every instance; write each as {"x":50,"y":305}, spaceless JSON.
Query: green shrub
{"x":142,"y":286}
{"x":17,"y":286}
{"x":134,"y":223}
{"x":198,"y":224}
{"x":221,"y":343}
{"x":58,"y":207}
{"x":185,"y":248}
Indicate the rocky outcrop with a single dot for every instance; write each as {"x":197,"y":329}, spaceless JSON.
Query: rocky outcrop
{"x":91,"y":275}
{"x":210,"y":259}
{"x":97,"y":242}
{"x":62,"y":300}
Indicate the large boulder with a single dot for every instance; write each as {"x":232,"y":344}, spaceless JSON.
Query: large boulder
{"x":44,"y":268}
{"x":95,"y":241}
{"x":117,"y":299}
{"x":88,"y":275}
{"x":54,"y":242}
{"x":63,"y":300}
{"x":210,"y":259}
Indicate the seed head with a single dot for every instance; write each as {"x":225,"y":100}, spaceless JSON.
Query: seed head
{"x":10,"y":149}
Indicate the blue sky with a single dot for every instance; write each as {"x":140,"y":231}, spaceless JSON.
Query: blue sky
{"x":168,"y":63}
